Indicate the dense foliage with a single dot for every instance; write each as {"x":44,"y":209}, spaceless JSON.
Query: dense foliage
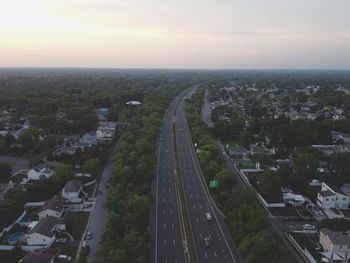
{"x":126,"y":235}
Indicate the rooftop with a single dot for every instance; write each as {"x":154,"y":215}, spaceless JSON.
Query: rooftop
{"x":45,"y":226}
{"x":336,"y":237}
{"x":73,"y":186}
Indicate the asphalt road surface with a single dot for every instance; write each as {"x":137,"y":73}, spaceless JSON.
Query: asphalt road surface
{"x":169,"y":243}
{"x":199,"y":201}
{"x":99,"y":214}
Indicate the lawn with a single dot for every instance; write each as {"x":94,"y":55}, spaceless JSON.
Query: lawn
{"x":12,"y":256}
{"x":306,"y":241}
{"x":69,"y":249}
{"x":346,"y":212}
{"x":283,"y":211}
{"x":304,"y":212}
{"x":76,"y":223}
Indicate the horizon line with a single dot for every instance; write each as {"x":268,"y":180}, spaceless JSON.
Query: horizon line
{"x":176,"y":68}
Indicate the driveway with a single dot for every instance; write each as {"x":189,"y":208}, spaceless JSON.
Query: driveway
{"x":99,"y":214}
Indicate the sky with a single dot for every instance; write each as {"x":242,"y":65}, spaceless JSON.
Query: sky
{"x":214,"y":34}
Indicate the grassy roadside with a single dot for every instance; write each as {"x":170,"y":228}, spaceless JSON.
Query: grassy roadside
{"x":183,"y":208}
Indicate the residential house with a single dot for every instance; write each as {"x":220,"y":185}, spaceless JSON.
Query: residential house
{"x":43,"y":232}
{"x":334,"y":241}
{"x":39,"y":172}
{"x":293,"y":199}
{"x":42,"y":255}
{"x":260,"y":149}
{"x":89,"y":138}
{"x":332,"y":197}
{"x":53,"y":207}
{"x":330,"y":149}
{"x":339,"y":136}
{"x":237,"y":151}
{"x":72,"y":191}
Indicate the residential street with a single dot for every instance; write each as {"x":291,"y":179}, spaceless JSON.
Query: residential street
{"x":99,"y":214}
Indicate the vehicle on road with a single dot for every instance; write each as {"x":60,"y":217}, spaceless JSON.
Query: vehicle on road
{"x":207,"y":241}
{"x":208,"y":216}
{"x":88,"y":235}
{"x":309,"y":227}
{"x":64,"y":258}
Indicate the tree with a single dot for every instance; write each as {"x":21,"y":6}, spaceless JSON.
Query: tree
{"x":63,"y":173}
{"x":341,"y":164}
{"x":270,"y":186}
{"x":5,"y":172}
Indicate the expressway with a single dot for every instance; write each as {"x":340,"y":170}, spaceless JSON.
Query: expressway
{"x":198,"y":200}
{"x":169,"y":244}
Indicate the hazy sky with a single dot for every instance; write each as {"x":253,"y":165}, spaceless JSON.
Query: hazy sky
{"x":175,"y":33}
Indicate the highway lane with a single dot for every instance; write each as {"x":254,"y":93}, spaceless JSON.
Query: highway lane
{"x":198,"y":200}
{"x":169,"y":233}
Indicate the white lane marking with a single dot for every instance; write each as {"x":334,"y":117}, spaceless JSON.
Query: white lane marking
{"x":201,"y":235}
{"x":206,"y":255}
{"x":197,"y":220}
{"x":174,"y":243}
{"x":164,"y":226}
{"x":163,"y":211}
{"x":164,"y":242}
{"x":171,"y":211}
{"x":215,"y":254}
{"x":172,"y":226}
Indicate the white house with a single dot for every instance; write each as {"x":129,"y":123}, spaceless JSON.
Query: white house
{"x":39,"y":172}
{"x":72,"y":191}
{"x":43,"y":233}
{"x":53,"y":207}
{"x":332,"y":197}
{"x":334,"y":241}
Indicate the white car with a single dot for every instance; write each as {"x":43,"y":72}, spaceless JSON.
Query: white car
{"x":309,"y":227}
{"x":88,"y":235}
{"x":208,"y":216}
{"x":64,"y":258}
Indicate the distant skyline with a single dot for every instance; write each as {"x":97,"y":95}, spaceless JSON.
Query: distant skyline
{"x":222,"y":34}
